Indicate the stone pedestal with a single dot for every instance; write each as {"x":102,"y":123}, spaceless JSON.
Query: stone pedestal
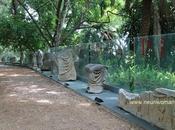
{"x":47,"y":62}
{"x":96,"y":77}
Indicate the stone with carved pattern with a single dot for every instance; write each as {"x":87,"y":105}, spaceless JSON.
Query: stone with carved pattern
{"x":96,"y":77}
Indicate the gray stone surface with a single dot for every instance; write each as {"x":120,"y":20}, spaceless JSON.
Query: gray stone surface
{"x":34,"y":60}
{"x":66,"y":68}
{"x":29,"y":59}
{"x":96,"y":77}
{"x":3,"y":59}
{"x":47,"y":61}
{"x":39,"y":58}
{"x":166,"y":91}
{"x":12,"y":60}
{"x":153,"y":106}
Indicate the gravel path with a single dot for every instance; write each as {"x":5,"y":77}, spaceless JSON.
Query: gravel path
{"x":29,"y":101}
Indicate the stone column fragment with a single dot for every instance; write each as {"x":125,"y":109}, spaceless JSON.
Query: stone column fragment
{"x":96,"y":77}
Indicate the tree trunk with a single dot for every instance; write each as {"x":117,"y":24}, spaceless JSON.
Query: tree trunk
{"x":157,"y":32}
{"x":127,"y":4}
{"x":47,"y":42}
{"x":146,"y":17}
{"x":21,"y":56}
{"x":14,"y":7}
{"x":62,"y":10}
{"x":173,"y":2}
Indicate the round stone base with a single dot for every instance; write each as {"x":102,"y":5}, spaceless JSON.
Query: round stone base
{"x":95,"y":89}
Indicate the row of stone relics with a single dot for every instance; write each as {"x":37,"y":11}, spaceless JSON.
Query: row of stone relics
{"x":62,"y":65}
{"x":156,"y":107}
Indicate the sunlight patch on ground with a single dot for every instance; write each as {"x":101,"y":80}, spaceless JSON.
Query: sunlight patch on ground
{"x":36,"y":90}
{"x":14,"y":75}
{"x":2,"y":74}
{"x":12,"y":95}
{"x":33,"y":86}
{"x":27,"y":75}
{"x":23,"y":101}
{"x":44,"y":101}
{"x":84,"y":104}
{"x":63,"y":103}
{"x":56,"y":93}
{"x":22,"y":88}
{"x":52,"y":92}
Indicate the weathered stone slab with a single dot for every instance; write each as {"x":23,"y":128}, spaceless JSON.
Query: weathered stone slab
{"x":47,"y":62}
{"x":65,"y":63}
{"x":12,"y":60}
{"x":39,"y":58}
{"x":96,"y":77}
{"x":163,"y":111}
{"x":157,"y":107}
{"x":3,"y":59}
{"x":34,"y":60}
{"x":166,"y":91}
{"x":29,"y":59}
{"x":173,"y":124}
{"x":129,"y":101}
{"x":54,"y":67}
{"x":144,"y":107}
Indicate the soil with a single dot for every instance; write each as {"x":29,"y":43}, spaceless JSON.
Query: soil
{"x":29,"y":101}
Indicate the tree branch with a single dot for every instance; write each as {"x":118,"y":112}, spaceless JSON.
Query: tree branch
{"x":36,"y":24}
{"x":42,"y":5}
{"x":77,"y":26}
{"x":61,"y":15}
{"x":3,"y":3}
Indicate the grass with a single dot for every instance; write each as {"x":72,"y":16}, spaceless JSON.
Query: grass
{"x":143,"y":78}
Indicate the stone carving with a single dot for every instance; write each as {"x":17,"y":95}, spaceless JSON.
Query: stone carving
{"x":54,"y":66}
{"x":39,"y":58}
{"x":28,"y":59}
{"x":96,"y":77}
{"x":34,"y":60}
{"x":3,"y":59}
{"x":6,"y":59}
{"x":157,"y":107}
{"x":65,"y":63}
{"x":12,"y":60}
{"x":165,"y":91}
{"x":47,"y":62}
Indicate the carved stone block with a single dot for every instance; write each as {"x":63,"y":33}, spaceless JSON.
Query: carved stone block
{"x":173,"y":124}
{"x":47,"y":62}
{"x":144,"y":107}
{"x":157,"y":107}
{"x":96,"y":77}
{"x":129,"y":101}
{"x":66,"y":68}
{"x":34,"y":60}
{"x":3,"y":59}
{"x":39,"y":58}
{"x":12,"y":60}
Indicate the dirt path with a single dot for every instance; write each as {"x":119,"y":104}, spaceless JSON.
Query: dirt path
{"x":29,"y":101}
